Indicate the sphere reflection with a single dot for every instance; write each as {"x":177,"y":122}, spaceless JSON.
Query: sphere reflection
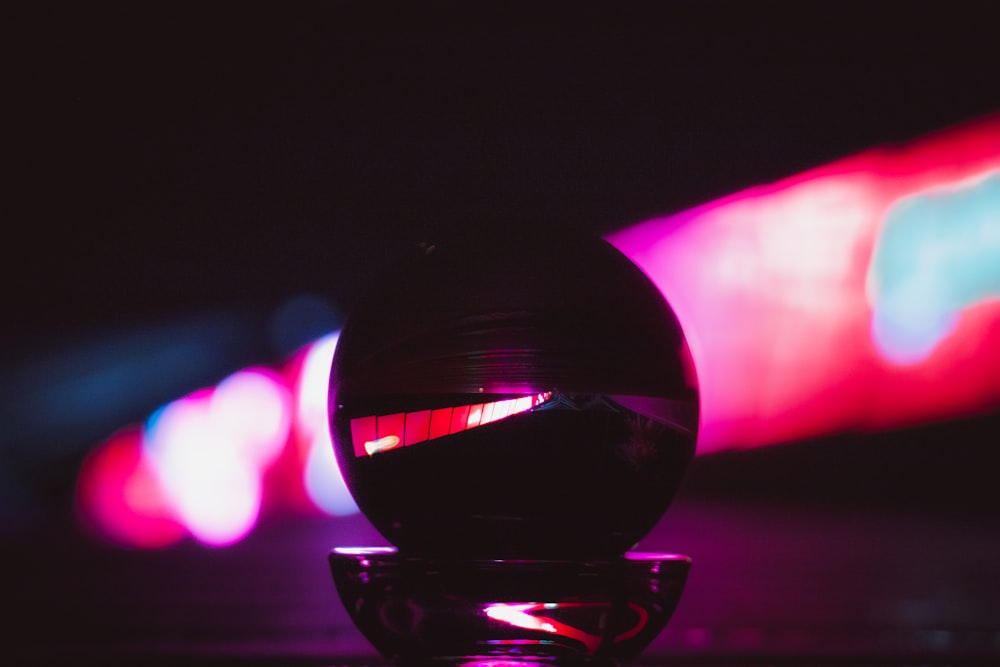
{"x":513,"y":399}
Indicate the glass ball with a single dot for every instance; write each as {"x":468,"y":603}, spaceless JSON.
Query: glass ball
{"x":528,"y":397}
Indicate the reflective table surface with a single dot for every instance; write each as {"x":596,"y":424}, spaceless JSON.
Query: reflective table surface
{"x":800,"y":556}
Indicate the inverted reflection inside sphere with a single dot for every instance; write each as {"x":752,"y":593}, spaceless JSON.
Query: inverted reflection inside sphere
{"x":513,"y":398}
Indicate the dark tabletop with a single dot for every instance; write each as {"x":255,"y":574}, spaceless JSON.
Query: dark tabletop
{"x":878,"y":549}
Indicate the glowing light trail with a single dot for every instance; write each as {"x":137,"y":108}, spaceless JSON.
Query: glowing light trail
{"x":842,"y":298}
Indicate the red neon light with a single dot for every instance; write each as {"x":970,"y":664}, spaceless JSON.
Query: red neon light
{"x":460,"y":419}
{"x":374,"y":434}
{"x":392,"y":426}
{"x":417,"y":426}
{"x":363,"y":430}
{"x":441,"y":422}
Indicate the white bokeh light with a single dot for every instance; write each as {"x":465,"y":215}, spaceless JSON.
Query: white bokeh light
{"x":314,"y":386}
{"x":254,"y":409}
{"x":211,"y":485}
{"x":321,"y":476}
{"x":324,"y":481}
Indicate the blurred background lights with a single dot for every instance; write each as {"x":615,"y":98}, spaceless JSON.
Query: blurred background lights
{"x":253,"y":408}
{"x":937,"y":253}
{"x":119,"y":494}
{"x":313,"y":386}
{"x":843,"y":298}
{"x":324,"y":481}
{"x":301,"y":320}
{"x":206,"y":469}
{"x":199,"y":464}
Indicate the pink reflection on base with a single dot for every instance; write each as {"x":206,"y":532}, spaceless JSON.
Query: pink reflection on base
{"x":525,"y":615}
{"x":539,"y":616}
{"x":769,"y":285}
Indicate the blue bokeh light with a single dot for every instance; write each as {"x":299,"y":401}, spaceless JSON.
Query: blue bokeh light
{"x":937,"y":254}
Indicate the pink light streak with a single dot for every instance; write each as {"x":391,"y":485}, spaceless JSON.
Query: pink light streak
{"x":770,"y":286}
{"x":525,"y":615}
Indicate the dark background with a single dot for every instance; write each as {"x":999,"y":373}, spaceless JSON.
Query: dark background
{"x":175,"y":158}
{"x":178,"y":171}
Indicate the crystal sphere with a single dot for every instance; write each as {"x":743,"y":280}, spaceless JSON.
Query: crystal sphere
{"x":516,"y":397}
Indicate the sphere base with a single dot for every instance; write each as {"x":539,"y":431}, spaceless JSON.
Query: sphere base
{"x":463,"y":612}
